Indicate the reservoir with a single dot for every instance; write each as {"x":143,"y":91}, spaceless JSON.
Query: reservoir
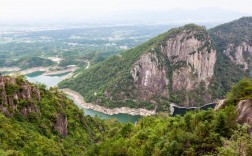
{"x":53,"y":80}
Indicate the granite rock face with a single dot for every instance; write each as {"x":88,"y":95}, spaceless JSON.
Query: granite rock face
{"x":183,"y":62}
{"x":148,"y":77}
{"x":194,"y":57}
{"x":61,"y":124}
{"x":240,"y":54}
{"x":244,"y":109}
{"x":244,"y":112}
{"x":12,"y":93}
{"x":19,"y":96}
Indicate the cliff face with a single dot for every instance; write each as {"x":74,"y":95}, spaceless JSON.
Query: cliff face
{"x":19,"y":96}
{"x":193,"y":50}
{"x":13,"y":93}
{"x":148,"y":77}
{"x":181,"y":63}
{"x":244,"y":110}
{"x":240,"y":54}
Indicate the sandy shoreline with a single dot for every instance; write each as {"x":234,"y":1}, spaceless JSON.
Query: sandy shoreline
{"x":122,"y":110}
{"x":31,"y":70}
{"x":7,"y":69}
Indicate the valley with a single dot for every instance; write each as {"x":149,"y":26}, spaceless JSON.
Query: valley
{"x":127,"y":90}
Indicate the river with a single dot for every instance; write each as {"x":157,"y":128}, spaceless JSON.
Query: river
{"x":50,"y":81}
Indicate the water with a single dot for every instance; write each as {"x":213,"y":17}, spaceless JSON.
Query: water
{"x":49,"y":81}
{"x":182,"y":111}
{"x":53,"y":80}
{"x":119,"y":117}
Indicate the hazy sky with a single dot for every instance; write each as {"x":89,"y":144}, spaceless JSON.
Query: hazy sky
{"x":87,"y":9}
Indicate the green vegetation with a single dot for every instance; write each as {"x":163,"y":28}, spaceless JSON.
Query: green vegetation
{"x":241,"y":91}
{"x":202,"y":132}
{"x":35,"y":133}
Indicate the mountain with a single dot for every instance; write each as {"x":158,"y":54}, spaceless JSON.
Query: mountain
{"x":37,"y":121}
{"x":188,"y":66}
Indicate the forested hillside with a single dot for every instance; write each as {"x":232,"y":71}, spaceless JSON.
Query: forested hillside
{"x":36,"y":121}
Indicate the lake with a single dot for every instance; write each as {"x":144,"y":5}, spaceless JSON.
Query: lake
{"x":53,"y":80}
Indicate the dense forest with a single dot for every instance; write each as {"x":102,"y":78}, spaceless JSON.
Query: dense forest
{"x":196,"y":133}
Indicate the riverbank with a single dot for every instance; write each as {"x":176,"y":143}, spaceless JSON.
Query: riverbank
{"x":122,"y":110}
{"x":9,"y":69}
{"x":31,"y":70}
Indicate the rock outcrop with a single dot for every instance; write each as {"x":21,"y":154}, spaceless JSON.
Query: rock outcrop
{"x":19,"y":96}
{"x":13,"y":92}
{"x":148,"y":77}
{"x":61,"y":124}
{"x":240,"y":54}
{"x":181,"y":63}
{"x":244,"y":110}
{"x":194,"y":58}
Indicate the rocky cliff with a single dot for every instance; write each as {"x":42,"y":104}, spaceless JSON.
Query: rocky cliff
{"x":181,"y":63}
{"x":14,"y":92}
{"x":17,"y":96}
{"x":244,"y":112}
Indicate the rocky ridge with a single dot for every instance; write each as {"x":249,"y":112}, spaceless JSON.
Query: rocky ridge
{"x":19,"y":96}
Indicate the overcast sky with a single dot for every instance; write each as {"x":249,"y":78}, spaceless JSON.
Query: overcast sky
{"x":88,"y":9}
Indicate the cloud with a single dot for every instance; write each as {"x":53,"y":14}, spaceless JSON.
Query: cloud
{"x":90,"y":9}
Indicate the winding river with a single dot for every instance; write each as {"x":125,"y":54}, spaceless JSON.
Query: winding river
{"x":53,"y":80}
